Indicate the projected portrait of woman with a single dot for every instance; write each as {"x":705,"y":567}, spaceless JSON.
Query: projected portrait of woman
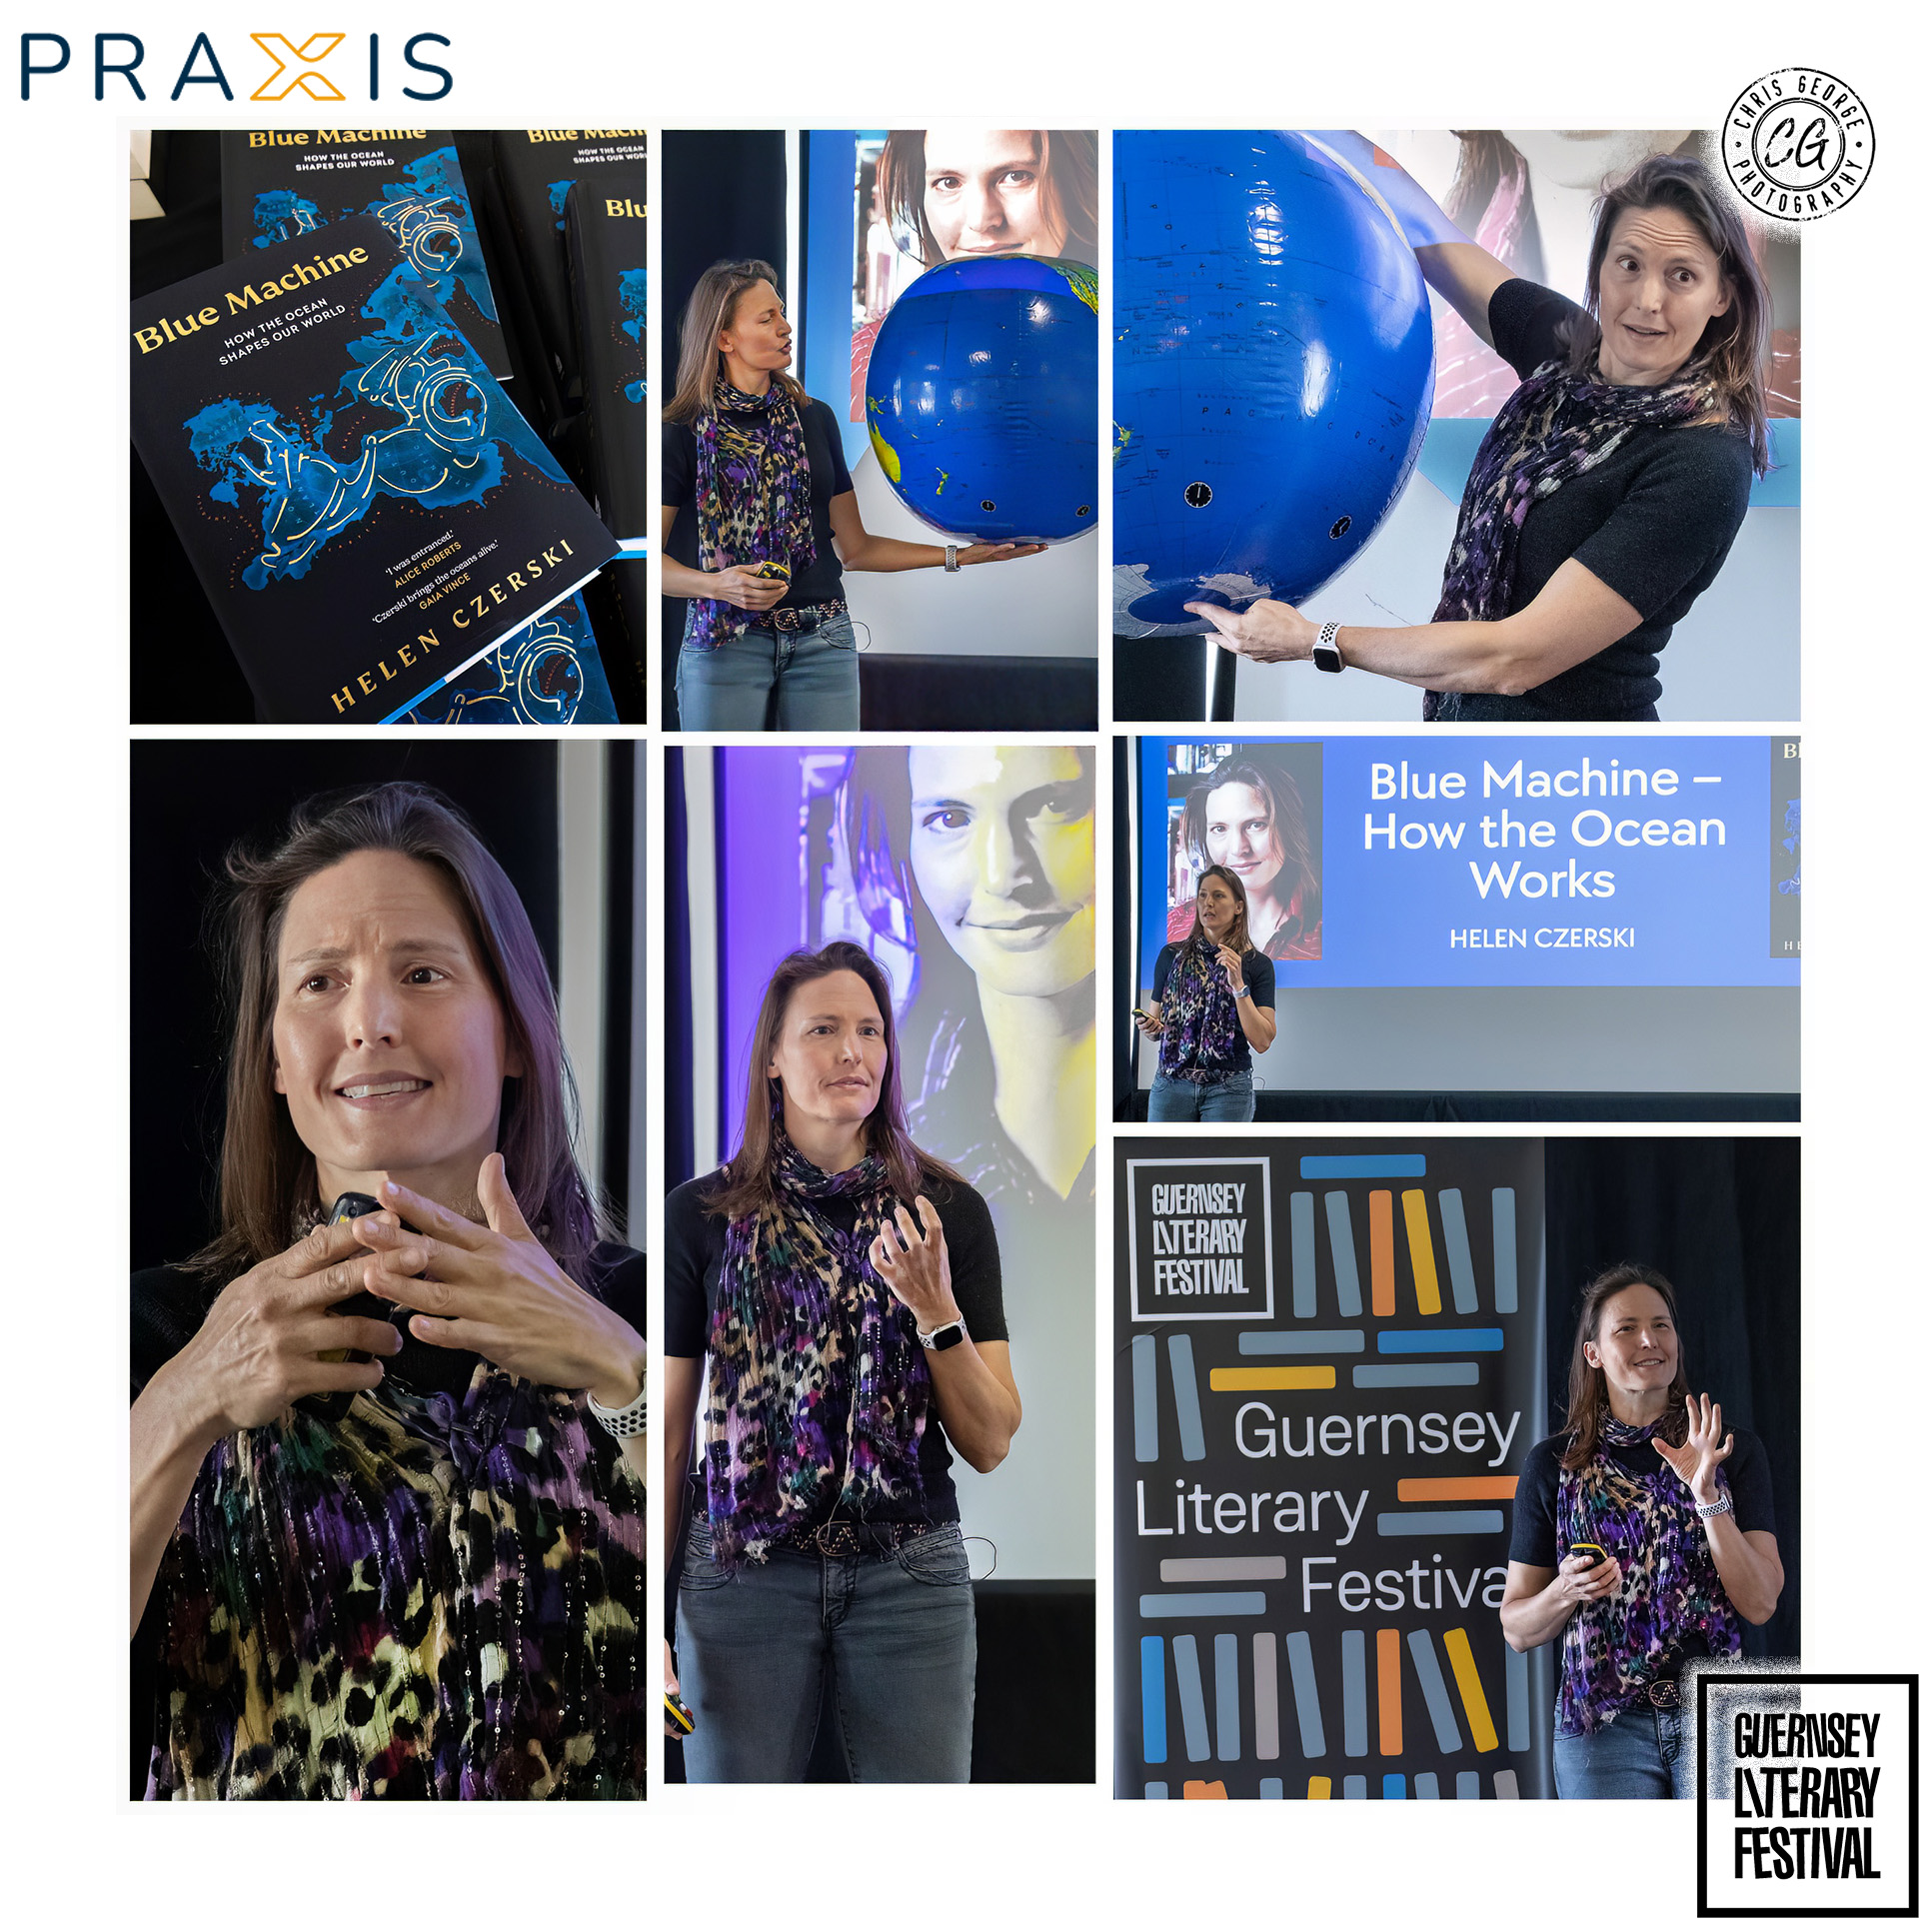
{"x":1247,"y":815}
{"x":977,"y":861}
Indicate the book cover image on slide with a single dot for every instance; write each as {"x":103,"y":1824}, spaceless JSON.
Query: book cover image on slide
{"x":281,"y":184}
{"x":606,"y":222}
{"x":366,"y":510}
{"x":537,"y":168}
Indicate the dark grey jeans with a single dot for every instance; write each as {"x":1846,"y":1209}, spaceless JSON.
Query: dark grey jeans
{"x":894,"y":1633}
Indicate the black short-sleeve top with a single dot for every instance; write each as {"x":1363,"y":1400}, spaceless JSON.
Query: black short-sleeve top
{"x":694,"y":1262}
{"x":824,"y":457}
{"x":1533,"y":1538}
{"x":1654,"y":521}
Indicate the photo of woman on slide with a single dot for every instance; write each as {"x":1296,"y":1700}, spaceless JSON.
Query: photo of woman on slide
{"x":942,"y":194}
{"x":387,"y":1436}
{"x":1605,"y":497}
{"x":984,"y":858}
{"x":1644,"y":1538}
{"x":833,"y":1295}
{"x":1247,"y":815}
{"x":760,"y":523}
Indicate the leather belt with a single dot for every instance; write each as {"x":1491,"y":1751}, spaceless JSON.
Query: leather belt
{"x":854,"y":1539}
{"x":801,"y":618}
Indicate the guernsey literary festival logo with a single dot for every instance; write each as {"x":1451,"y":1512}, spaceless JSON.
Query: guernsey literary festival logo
{"x":1798,"y":144}
{"x":1808,"y":1795}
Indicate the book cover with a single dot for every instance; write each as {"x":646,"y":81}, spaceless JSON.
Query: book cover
{"x":366,"y":510}
{"x":280,"y":184}
{"x":605,"y":229}
{"x":550,"y":673}
{"x":537,"y":168}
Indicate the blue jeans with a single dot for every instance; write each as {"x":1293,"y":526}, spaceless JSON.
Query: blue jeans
{"x":1641,"y":1754}
{"x":895,"y":1632}
{"x":1228,"y":1098}
{"x":772,"y":681}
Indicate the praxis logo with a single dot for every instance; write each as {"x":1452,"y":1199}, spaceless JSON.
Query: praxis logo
{"x":283,"y":66}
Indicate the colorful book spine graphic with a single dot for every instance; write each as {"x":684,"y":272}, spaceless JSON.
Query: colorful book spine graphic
{"x":1330,"y":1597}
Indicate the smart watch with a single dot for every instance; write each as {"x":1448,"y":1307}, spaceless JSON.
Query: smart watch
{"x":949,"y":1334}
{"x":1326,"y":656}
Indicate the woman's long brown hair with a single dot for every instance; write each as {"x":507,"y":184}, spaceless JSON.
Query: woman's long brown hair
{"x":1238,"y":933}
{"x":1589,"y":1394}
{"x":1736,"y":345}
{"x":745,"y":1186}
{"x":268,"y":1178}
{"x":711,"y":310}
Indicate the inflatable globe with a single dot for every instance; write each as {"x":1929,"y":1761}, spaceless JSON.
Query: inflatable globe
{"x":1272,"y":366}
{"x":981,"y":399}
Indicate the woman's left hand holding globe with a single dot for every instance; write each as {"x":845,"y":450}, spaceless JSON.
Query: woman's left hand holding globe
{"x":495,"y":1290}
{"x":996,"y":553}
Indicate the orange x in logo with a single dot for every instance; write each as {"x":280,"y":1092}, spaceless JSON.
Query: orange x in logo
{"x":304,"y":59}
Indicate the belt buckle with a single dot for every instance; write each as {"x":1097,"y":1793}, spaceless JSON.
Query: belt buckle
{"x":1662,"y":1693}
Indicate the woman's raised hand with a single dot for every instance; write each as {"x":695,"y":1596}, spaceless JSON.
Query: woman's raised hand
{"x":1230,"y":963}
{"x":263,"y":1342}
{"x":914,"y":1266}
{"x":1704,"y":1448}
{"x":495,"y":1290}
{"x":746,"y":588}
{"x":1267,"y":632}
{"x":1580,"y":1579}
{"x":996,"y":553}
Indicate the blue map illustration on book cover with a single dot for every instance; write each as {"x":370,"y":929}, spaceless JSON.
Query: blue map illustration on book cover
{"x":368,"y":511}
{"x":550,"y":673}
{"x":537,"y":168}
{"x":438,"y":451}
{"x":633,"y":304}
{"x":280,"y":194}
{"x":605,"y":231}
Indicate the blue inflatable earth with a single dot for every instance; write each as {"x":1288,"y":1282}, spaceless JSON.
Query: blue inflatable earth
{"x":1273,"y":370}
{"x":982,"y":397}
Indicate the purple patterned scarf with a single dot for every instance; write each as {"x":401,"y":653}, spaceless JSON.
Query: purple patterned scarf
{"x":1198,"y":1023}
{"x":754,"y":498}
{"x":425,"y":1597}
{"x":1559,"y":424}
{"x":1670,"y":1591}
{"x":819,"y":1388}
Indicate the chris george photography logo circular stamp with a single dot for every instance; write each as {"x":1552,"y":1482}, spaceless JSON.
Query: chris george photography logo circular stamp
{"x":1797,"y":144}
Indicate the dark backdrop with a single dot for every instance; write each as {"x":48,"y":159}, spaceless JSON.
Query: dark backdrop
{"x":1719,"y":1217}
{"x":723,"y":197}
{"x":190,"y":800}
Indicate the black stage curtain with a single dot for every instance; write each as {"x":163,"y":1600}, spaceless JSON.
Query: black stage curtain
{"x":190,"y":802}
{"x":1719,"y":1217}
{"x":722,"y":195}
